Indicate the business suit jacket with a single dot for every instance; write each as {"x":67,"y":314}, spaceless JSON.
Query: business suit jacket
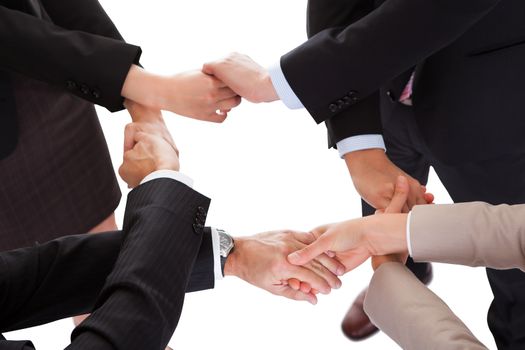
{"x":69,"y":44}
{"x":133,"y":282}
{"x":467,"y":57}
{"x":472,"y":234}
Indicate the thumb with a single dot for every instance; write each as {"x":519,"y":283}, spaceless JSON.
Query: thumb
{"x":208,"y":68}
{"x":400,"y":196}
{"x":309,"y":252}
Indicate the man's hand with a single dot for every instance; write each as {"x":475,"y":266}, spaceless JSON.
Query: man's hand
{"x":192,"y":94}
{"x":261,"y":261}
{"x":146,"y":120}
{"x":353,"y":242}
{"x":149,"y":153}
{"x":244,"y":76}
{"x":374,"y":177}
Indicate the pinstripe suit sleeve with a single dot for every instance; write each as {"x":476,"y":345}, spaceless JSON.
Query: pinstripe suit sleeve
{"x":141,"y":301}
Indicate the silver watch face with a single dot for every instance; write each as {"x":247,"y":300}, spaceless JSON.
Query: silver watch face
{"x":226,"y":243}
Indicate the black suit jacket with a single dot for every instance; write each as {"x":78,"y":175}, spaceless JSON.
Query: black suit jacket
{"x":69,"y":44}
{"x":133,"y":282}
{"x":468,"y":57}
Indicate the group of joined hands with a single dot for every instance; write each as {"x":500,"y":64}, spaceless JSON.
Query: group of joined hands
{"x":293,"y":264}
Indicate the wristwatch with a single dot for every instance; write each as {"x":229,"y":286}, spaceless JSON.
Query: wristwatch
{"x":226,"y":246}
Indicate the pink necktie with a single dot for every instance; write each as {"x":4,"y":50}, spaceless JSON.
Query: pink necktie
{"x":406,"y":95}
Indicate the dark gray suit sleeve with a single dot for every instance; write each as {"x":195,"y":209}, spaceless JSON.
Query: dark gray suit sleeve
{"x":339,"y":67}
{"x":64,"y":277}
{"x":141,"y":301}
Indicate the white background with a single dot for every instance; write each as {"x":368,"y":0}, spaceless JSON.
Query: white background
{"x":265,"y":168}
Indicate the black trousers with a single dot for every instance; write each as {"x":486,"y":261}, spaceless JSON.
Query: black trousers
{"x":496,"y":181}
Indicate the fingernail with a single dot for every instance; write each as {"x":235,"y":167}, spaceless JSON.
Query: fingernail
{"x":294,"y":256}
{"x":340,"y":271}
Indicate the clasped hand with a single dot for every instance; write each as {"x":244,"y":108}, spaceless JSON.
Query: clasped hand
{"x":353,"y":242}
{"x":260,"y":259}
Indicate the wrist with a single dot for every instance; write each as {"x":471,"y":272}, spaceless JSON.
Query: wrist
{"x":144,"y":87}
{"x":271,"y":94}
{"x":233,"y":265}
{"x":354,"y":160}
{"x":386,"y":234}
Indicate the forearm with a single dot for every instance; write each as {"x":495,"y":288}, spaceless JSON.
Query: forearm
{"x":472,"y":234}
{"x":339,"y":60}
{"x":90,"y":66}
{"x":86,"y":15}
{"x":145,"y":88}
{"x":35,"y":291}
{"x":396,"y":302}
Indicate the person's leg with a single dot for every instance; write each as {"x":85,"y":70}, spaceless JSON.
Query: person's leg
{"x":403,"y":151}
{"x":495,"y":181}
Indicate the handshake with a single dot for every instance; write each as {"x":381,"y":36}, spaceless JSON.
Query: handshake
{"x":296,"y":265}
{"x":206,"y":95}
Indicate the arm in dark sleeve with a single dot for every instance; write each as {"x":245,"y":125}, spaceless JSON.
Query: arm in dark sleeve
{"x":64,"y":277}
{"x":83,"y":15}
{"x":364,"y":117}
{"x":90,"y":66}
{"x":141,"y":300}
{"x":339,"y":67}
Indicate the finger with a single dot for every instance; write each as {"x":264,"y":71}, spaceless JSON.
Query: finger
{"x":304,"y":237}
{"x":305,"y":287}
{"x":298,"y":295}
{"x":333,"y":265}
{"x":224,"y":93}
{"x":294,"y":283}
{"x":429,"y":198}
{"x":310,"y":277}
{"x":380,"y":211}
{"x":327,"y":275}
{"x":129,"y":136}
{"x":309,"y":252}
{"x":216,"y":116}
{"x":217,"y":83}
{"x":319,"y":231}
{"x":209,"y":68}
{"x":228,"y":104}
{"x":400,"y":196}
{"x":330,"y":253}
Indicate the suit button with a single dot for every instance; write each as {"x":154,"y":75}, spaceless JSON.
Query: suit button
{"x":390,"y":94}
{"x":340,"y":104}
{"x":353,"y":95}
{"x":84,"y":89}
{"x":198,"y":228}
{"x":71,"y":85}
{"x":333,"y":108}
{"x":95,"y":93}
{"x":347,"y":100}
{"x":201,"y":210}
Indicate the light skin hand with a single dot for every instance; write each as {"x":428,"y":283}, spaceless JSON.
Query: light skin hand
{"x":191,"y":94}
{"x":353,"y":242}
{"x":261,"y":261}
{"x":146,"y":120}
{"x":149,"y":153}
{"x":244,"y":76}
{"x":374,"y":177}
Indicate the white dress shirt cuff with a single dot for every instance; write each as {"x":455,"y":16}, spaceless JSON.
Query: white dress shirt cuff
{"x":216,"y":254}
{"x":283,"y":89}
{"x":360,"y":142}
{"x":170,"y":174}
{"x":409,"y":245}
